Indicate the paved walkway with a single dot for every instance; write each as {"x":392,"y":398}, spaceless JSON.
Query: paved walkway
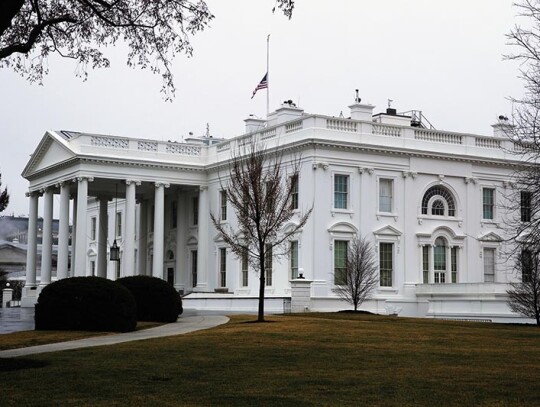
{"x":184,"y":325}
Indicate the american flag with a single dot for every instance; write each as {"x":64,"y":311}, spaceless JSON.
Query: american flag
{"x":263,"y":84}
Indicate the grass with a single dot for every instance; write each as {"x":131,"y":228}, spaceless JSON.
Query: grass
{"x":32,"y":338}
{"x":300,"y":360}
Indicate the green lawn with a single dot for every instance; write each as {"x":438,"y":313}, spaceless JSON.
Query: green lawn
{"x":310,"y":359}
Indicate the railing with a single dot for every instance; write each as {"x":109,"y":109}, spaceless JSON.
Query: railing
{"x":438,"y":137}
{"x":294,"y":126}
{"x":487,"y":142}
{"x":110,"y":142}
{"x":147,"y":145}
{"x":183,"y":149}
{"x":386,"y":130}
{"x":266,"y":134}
{"x":342,"y":125}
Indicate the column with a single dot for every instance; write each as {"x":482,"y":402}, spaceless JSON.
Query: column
{"x":181,"y":227}
{"x":202,"y":249}
{"x":81,"y":235}
{"x":129,"y":238}
{"x":103,"y":235}
{"x":31,"y":253}
{"x":46,"y":242}
{"x":448,"y":264}
{"x":63,"y":233}
{"x":159,"y":229}
{"x":143,"y":239}
{"x":432,"y":265}
{"x":73,"y":237}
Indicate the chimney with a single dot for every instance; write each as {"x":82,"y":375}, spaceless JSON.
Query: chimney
{"x":287,"y":112}
{"x":254,"y":124}
{"x":360,"y":111}
{"x":503,"y":127}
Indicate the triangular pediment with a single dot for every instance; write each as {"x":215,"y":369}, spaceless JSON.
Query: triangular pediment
{"x":50,"y":151}
{"x":387,"y":231}
{"x":490,"y":237}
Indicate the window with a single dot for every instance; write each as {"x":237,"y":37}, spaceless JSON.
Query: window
{"x":437,"y":208}
{"x":385,"y":195}
{"x":439,"y":260}
{"x":223,"y":204}
{"x":488,"y":195}
{"x":268,"y":264}
{"x":92,"y":267}
{"x":341,"y":191}
{"x":270,"y":193}
{"x":526,"y":265}
{"x":194,"y":268}
{"x":294,"y":191}
{"x":174,"y":214}
{"x":386,"y":265}
{"x":245,"y":268}
{"x":425,"y":264}
{"x":195,"y":209}
{"x":223,"y":267}
{"x":118,"y":224}
{"x":437,"y":200}
{"x":525,"y":206}
{"x":294,"y":259}
{"x":454,"y":263}
{"x":489,"y":265}
{"x":340,"y":261}
{"x":93,"y":228}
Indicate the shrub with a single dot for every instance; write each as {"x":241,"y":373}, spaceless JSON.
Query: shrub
{"x":156,"y":299}
{"x":87,"y":304}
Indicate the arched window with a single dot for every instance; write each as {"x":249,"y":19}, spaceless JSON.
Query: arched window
{"x":438,"y":201}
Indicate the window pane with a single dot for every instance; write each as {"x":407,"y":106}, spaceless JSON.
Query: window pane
{"x":245,"y":268}
{"x":223,"y":203}
{"x":223,"y":267}
{"x":340,"y":261}
{"x":194,"y":268}
{"x":487,"y":196}
{"x":437,"y":208}
{"x":385,"y":195}
{"x":526,"y":266}
{"x":454,"y":263}
{"x":341,"y":191}
{"x":526,"y":206}
{"x":268,"y":265}
{"x":489,"y":265}
{"x":294,"y":191}
{"x":386,"y":264}
{"x":196,"y":211}
{"x":425,"y":264}
{"x":294,"y":259}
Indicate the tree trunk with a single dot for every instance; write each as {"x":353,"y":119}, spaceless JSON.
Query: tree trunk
{"x":260,"y":317}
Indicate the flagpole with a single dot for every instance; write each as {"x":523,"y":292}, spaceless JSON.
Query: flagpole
{"x":267,"y":76}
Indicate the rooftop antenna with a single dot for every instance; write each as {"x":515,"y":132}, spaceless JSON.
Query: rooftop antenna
{"x":207,"y":135}
{"x":357,"y":97}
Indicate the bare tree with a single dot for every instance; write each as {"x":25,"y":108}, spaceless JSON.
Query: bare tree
{"x":524,"y":296}
{"x":358,"y":277}
{"x":154,"y":32}
{"x":523,"y":208}
{"x":4,"y":197}
{"x":261,"y":189}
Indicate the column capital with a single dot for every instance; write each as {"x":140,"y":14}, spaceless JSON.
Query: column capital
{"x":82,"y":178}
{"x":162,"y":184}
{"x":30,"y":194}
{"x":132,"y":181}
{"x":203,"y":187}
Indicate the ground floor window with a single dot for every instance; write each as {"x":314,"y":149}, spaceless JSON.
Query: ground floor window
{"x":194,"y":268}
{"x":223,"y":267}
{"x":489,"y":265}
{"x":268,"y":265}
{"x":340,"y":261}
{"x":439,"y":260}
{"x":294,"y":259}
{"x":386,"y":264}
{"x":245,"y":268}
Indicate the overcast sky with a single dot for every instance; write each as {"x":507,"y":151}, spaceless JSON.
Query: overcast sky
{"x":441,"y":57}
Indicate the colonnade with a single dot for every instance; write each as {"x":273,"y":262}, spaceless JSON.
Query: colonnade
{"x":130,"y":247}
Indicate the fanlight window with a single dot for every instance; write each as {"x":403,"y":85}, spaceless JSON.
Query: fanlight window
{"x":437,"y":200}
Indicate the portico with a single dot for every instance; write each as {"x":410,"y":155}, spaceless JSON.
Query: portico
{"x":112,"y":195}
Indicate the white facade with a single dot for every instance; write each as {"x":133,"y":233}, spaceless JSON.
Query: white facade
{"x":430,"y":201}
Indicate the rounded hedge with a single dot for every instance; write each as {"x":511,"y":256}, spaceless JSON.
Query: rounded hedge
{"x":156,"y":299}
{"x":86,"y":304}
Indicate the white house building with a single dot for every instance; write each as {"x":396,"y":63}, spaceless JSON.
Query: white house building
{"x":429,"y":200}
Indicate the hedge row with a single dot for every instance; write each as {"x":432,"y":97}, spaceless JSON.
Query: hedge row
{"x":98,"y":304}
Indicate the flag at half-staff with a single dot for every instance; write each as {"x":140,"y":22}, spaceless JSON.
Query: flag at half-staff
{"x":263,"y":84}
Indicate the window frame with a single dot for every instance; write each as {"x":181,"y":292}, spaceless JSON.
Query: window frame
{"x":222,"y":264}
{"x":492,"y":250}
{"x":346,"y":193}
{"x":339,"y":272}
{"x":194,"y":267}
{"x":488,"y":205}
{"x":392,"y":261}
{"x":93,"y":227}
{"x":295,"y":188}
{"x":118,"y":224}
{"x":392,"y":182}
{"x":525,"y":208}
{"x":268,"y":265}
{"x":244,"y":269}
{"x":195,"y":210}
{"x":293,"y":259}
{"x":223,"y":205}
